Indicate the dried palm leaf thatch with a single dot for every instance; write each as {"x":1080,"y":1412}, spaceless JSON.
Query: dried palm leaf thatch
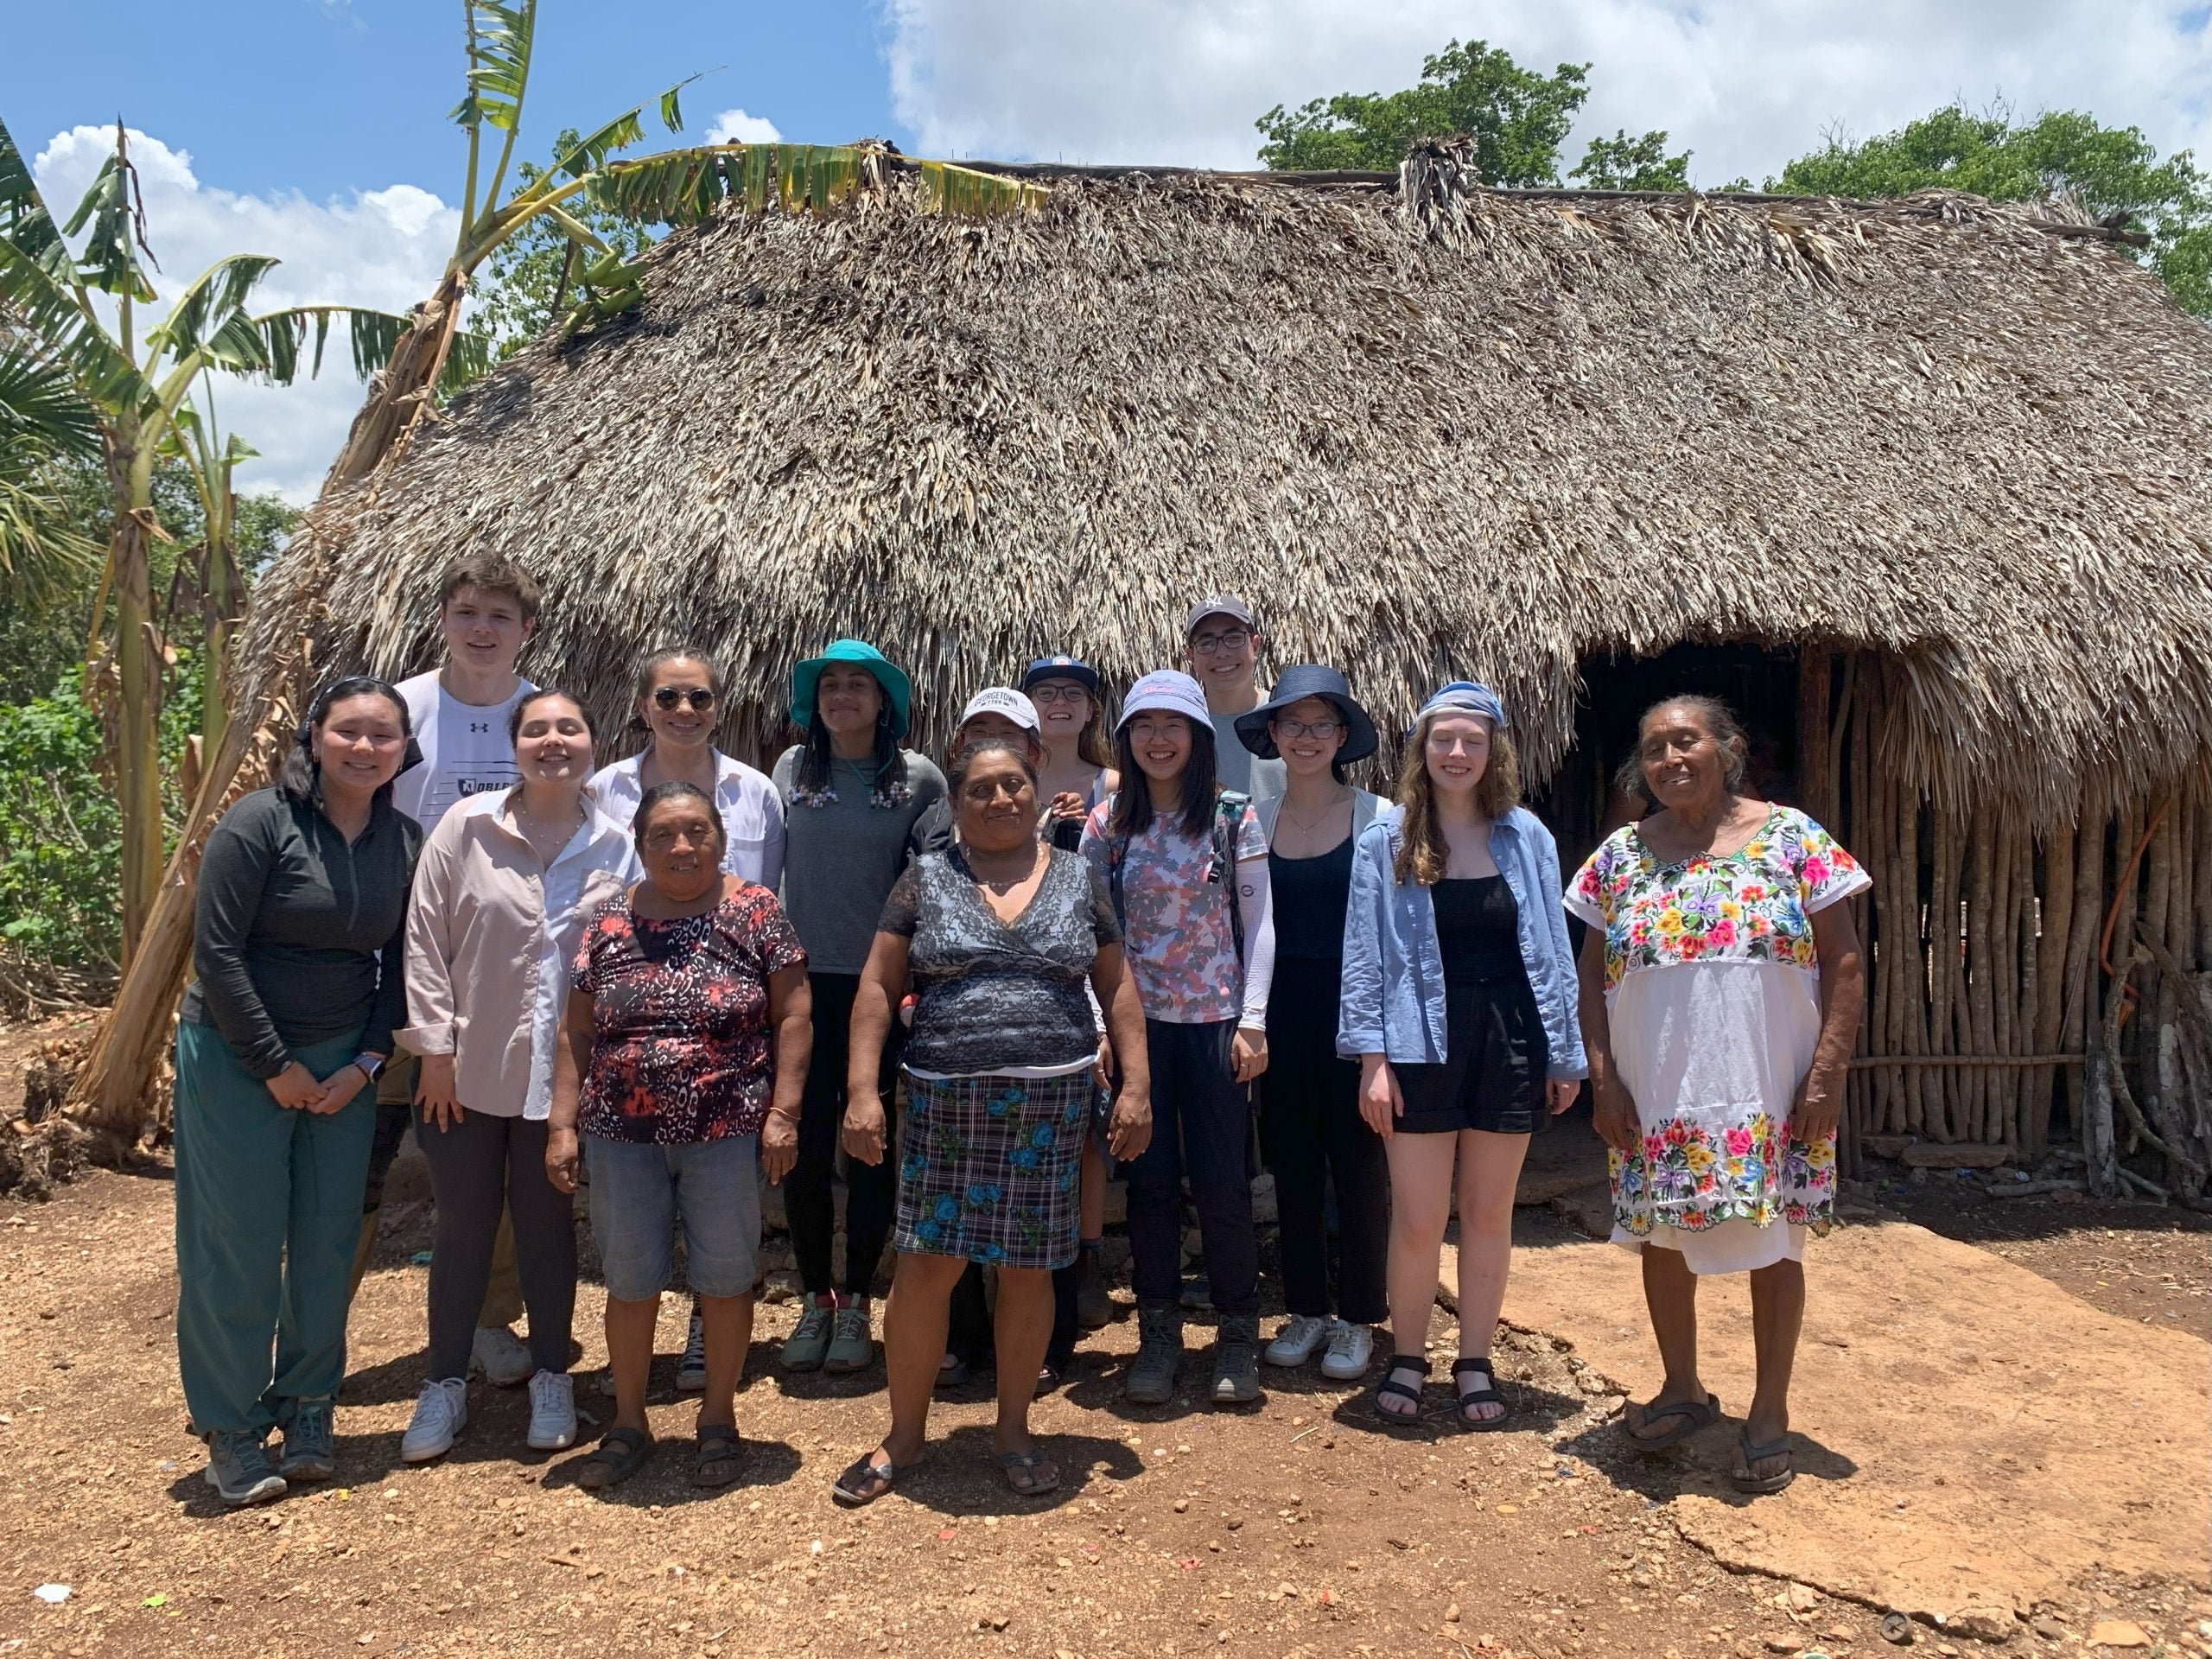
{"x":1428,"y":428}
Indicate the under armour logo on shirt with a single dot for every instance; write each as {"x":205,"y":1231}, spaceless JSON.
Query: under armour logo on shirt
{"x":479,"y":725}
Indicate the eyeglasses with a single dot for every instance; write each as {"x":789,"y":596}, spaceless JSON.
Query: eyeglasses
{"x":1059,"y":694}
{"x":667,"y":696}
{"x":663,"y":838}
{"x":1209,"y":645}
{"x":1324,"y":729}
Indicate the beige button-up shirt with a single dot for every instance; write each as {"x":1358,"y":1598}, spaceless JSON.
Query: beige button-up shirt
{"x":490,"y":935}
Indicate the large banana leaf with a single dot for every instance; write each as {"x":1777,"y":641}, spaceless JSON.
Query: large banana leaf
{"x":219,"y":292}
{"x":272,"y":345}
{"x":110,"y":260}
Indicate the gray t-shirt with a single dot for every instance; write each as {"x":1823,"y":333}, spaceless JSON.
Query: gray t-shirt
{"x":842,"y":852}
{"x":1236,"y":768}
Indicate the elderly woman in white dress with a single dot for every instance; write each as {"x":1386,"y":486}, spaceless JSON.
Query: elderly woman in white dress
{"x":1721,"y":990}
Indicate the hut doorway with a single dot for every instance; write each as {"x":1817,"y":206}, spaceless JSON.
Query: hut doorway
{"x":1760,"y":684}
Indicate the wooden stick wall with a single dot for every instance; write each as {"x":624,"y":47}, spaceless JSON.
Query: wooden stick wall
{"x":1987,"y":940}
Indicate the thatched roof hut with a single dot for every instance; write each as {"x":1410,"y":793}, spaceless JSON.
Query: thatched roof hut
{"x":1948,"y":454}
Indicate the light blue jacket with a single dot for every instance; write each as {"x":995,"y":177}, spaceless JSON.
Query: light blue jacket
{"x":1393,"y":1001}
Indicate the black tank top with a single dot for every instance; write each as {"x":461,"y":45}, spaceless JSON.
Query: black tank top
{"x":1478,"y":930}
{"x":1307,"y":897}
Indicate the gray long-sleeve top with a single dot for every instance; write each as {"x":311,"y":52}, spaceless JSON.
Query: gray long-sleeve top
{"x":299,"y":936}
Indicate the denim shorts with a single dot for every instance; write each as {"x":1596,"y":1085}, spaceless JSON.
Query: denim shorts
{"x":640,"y":1191}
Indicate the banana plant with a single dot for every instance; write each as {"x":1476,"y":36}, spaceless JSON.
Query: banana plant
{"x":84,"y":313}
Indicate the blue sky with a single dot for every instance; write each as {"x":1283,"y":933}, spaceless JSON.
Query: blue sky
{"x":325,"y":98}
{"x":316,"y":130}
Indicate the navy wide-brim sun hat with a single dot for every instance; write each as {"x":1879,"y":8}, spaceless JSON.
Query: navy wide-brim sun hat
{"x":898,"y":689}
{"x":1294,"y":685}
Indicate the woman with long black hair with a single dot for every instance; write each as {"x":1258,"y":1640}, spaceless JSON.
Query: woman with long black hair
{"x":1186,"y":867}
{"x":852,"y":798}
{"x":297,"y":944}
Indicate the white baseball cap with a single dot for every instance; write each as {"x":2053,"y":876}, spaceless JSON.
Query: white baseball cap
{"x":1002,"y":700}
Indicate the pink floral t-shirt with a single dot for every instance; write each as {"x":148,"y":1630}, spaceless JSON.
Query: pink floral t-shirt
{"x":1182,"y":953}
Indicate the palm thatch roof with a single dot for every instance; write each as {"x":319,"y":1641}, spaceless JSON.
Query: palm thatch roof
{"x":1427,"y":428}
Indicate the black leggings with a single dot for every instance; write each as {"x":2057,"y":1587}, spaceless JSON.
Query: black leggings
{"x":477,"y":1166}
{"x":1310,"y":1128}
{"x":871,"y":1190}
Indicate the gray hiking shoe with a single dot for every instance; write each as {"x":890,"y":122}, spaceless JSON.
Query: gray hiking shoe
{"x":239,"y":1469}
{"x":309,"y":1453}
{"x":805,"y":1347}
{"x":1160,"y":1352}
{"x":852,"y":1341}
{"x":1236,"y":1360}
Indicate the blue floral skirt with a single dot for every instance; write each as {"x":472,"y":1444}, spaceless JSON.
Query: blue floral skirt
{"x":991,"y":1168}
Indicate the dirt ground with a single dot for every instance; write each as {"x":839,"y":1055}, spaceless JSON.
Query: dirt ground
{"x":1295,"y":1527}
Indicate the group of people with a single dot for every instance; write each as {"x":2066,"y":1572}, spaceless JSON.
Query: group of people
{"x":1163,"y":941}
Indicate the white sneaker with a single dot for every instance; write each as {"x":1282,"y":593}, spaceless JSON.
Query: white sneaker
{"x":1350,"y":1348}
{"x":500,"y":1355}
{"x":691,"y":1369}
{"x":1294,"y":1343}
{"x":440,"y":1413}
{"x":552,"y":1411}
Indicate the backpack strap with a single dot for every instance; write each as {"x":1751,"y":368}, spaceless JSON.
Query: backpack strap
{"x":1228,"y":814}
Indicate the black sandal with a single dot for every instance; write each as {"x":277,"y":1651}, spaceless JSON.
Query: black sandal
{"x":864,"y":1481}
{"x":714,"y":1460}
{"x":1485,"y":1396}
{"x":619,"y":1455}
{"x":1390,"y":1387}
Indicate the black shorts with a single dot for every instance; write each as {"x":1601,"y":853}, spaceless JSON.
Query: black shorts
{"x":1493,"y":1078}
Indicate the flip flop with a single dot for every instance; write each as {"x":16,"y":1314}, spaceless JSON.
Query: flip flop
{"x":1692,"y":1415}
{"x":714,"y":1460}
{"x":864,"y":1481}
{"x":619,"y":1455}
{"x":1025,"y":1464}
{"x":1759,"y":1485}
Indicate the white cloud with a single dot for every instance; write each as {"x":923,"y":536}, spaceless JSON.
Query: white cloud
{"x":1746,"y":84}
{"x":736,"y":127}
{"x":384,"y":249}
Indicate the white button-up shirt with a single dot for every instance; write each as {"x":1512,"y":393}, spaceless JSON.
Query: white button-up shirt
{"x":491,"y":932}
{"x":751,"y":810}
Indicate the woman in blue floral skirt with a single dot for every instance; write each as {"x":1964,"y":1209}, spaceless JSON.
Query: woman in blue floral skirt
{"x":996,"y":936}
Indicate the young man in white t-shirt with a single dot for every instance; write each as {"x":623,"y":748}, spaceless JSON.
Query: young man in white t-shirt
{"x":488,"y":611}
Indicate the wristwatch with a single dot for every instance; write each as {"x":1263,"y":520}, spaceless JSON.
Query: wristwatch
{"x":371,"y":1065}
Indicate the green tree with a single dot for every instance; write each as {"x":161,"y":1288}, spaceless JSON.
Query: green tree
{"x":1517,"y":118}
{"x":1621,"y":162}
{"x":2113,"y":171}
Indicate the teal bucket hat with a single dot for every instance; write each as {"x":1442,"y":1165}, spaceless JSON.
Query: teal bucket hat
{"x":896,"y":686}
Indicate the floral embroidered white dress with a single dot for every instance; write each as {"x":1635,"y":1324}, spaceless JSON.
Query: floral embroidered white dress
{"x":1714,"y":998}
